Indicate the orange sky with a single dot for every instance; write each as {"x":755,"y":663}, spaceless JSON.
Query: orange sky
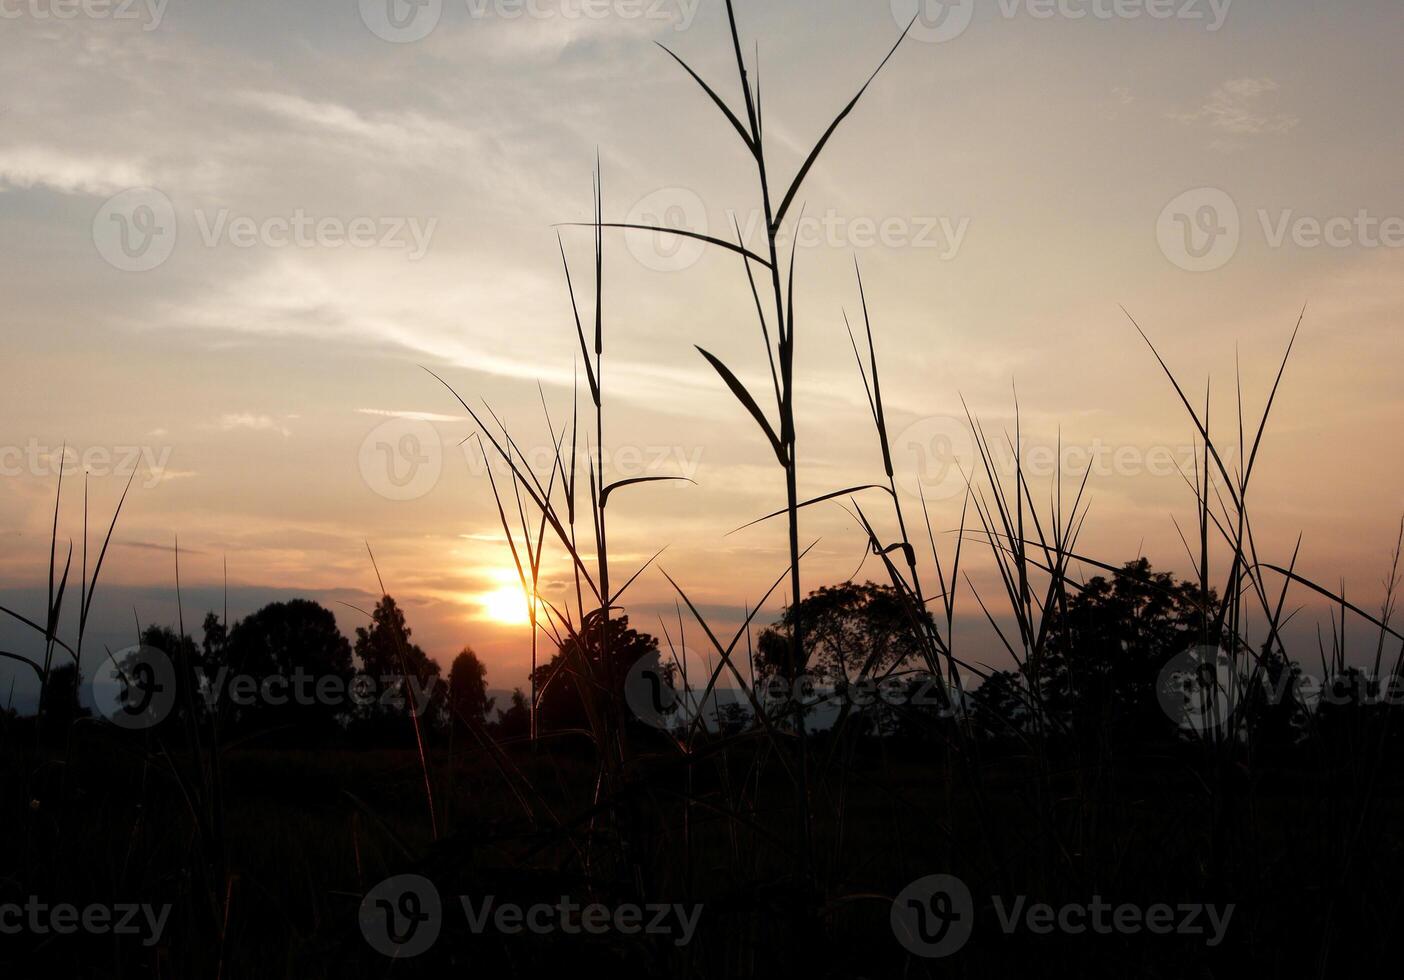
{"x":347,"y":209}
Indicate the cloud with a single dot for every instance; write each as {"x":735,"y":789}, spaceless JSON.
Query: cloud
{"x":415,"y":416}
{"x":27,"y":167}
{"x":166,"y":548}
{"x":256,"y":423}
{"x":1242,"y":106}
{"x":168,"y":475}
{"x":401,"y":131}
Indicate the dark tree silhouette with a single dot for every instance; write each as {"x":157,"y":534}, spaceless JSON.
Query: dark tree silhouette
{"x":852,"y":631}
{"x":389,"y":659}
{"x":188,"y":669}
{"x":849,"y":629}
{"x":467,"y":696}
{"x":580,"y":664}
{"x":62,"y":706}
{"x":301,"y":661}
{"x":1095,"y":676}
{"x":515,"y":721}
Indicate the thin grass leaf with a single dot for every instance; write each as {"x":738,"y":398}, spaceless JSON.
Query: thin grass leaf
{"x":744,"y":396}
{"x":823,"y":140}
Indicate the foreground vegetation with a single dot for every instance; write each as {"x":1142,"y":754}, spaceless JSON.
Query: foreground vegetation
{"x":1061,"y":779}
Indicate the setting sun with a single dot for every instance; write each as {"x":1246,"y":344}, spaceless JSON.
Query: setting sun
{"x":506,"y":605}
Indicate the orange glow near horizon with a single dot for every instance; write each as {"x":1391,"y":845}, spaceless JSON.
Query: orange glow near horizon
{"x":505,"y":605}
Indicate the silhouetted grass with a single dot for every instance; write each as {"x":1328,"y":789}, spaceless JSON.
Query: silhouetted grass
{"x":795,"y":839}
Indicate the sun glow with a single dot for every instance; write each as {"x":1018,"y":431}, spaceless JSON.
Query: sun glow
{"x":506,"y":605}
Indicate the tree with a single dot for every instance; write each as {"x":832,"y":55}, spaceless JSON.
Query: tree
{"x":580,"y":667}
{"x":290,"y":649}
{"x":399,"y":668}
{"x":515,"y":722}
{"x":467,"y":696}
{"x":1097,"y":673}
{"x":62,"y":706}
{"x":213,"y":646}
{"x":851,"y":631}
{"x":186,"y":669}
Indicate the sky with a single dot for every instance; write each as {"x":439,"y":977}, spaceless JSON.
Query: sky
{"x":234,"y":235}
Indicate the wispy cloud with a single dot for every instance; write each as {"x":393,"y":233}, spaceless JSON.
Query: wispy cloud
{"x":401,"y":131}
{"x":1242,"y":106}
{"x":416,"y":416}
{"x":235,"y":421}
{"x":29,"y":167}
